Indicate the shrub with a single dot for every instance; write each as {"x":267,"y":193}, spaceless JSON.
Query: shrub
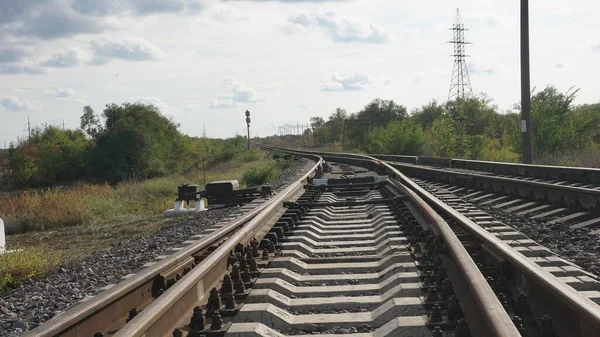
{"x":250,"y":156}
{"x":403,"y":137}
{"x":257,"y":175}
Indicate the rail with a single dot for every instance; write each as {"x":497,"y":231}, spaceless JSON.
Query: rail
{"x":103,"y":312}
{"x":497,"y":321}
{"x":154,"y":320}
{"x":585,"y":312}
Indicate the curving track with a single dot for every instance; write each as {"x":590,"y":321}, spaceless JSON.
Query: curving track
{"x":361,"y":256}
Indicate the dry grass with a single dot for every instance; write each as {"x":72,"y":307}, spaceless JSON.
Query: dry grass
{"x":94,"y":217}
{"x":589,"y":158}
{"x":33,"y":262}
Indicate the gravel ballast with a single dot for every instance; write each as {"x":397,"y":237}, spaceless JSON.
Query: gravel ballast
{"x":36,"y":301}
{"x":575,"y":245}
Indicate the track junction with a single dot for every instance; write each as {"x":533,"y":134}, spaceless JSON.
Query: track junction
{"x":367,"y":246}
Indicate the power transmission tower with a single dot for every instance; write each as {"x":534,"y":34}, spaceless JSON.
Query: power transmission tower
{"x":460,"y":86}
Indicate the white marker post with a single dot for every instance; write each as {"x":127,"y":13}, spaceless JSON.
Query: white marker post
{"x":2,"y":237}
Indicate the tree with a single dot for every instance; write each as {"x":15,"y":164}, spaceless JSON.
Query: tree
{"x":555,"y":128}
{"x":381,"y":113}
{"x":137,"y":141}
{"x":427,"y":114}
{"x":51,"y":156}
{"x":317,"y":125}
{"x":337,"y":124}
{"x":90,"y":123}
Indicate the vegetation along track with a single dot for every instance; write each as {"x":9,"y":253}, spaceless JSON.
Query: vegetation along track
{"x":359,"y":255}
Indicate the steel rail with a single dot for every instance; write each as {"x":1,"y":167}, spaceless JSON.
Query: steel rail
{"x":546,"y":185}
{"x":588,"y":312}
{"x":158,"y":319}
{"x":584,"y":306}
{"x":497,"y":321}
{"x":78,"y":317}
{"x":578,"y":174}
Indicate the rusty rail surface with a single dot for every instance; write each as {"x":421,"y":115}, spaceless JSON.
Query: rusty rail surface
{"x":585,"y":309}
{"x":108,"y":310}
{"x":582,"y":313}
{"x":574,"y":196}
{"x":159,"y":318}
{"x":496,"y":321}
{"x":573,"y":174}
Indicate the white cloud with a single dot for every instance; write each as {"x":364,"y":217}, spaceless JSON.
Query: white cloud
{"x":16,"y":69}
{"x":222,"y":102}
{"x":559,"y":65}
{"x":166,"y":109}
{"x":129,"y":49}
{"x":358,"y":81}
{"x":15,"y":104}
{"x":338,"y":28}
{"x":221,"y":12}
{"x":238,"y":93}
{"x":67,"y":94}
{"x":69,"y":58}
{"x":594,"y":45}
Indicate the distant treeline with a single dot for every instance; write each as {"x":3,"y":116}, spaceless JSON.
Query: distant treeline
{"x":129,"y":141}
{"x":472,"y":128}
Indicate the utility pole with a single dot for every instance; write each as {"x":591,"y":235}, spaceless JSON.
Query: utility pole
{"x":248,"y":124}
{"x":63,"y":120}
{"x":28,"y":129}
{"x":526,"y":120}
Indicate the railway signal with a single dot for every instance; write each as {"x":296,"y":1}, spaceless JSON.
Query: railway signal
{"x":248,"y":125}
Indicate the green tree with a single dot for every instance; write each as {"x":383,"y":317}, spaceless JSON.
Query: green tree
{"x":428,"y":113}
{"x":137,"y":141}
{"x":556,"y":128}
{"x":90,"y":123}
{"x":51,"y":156}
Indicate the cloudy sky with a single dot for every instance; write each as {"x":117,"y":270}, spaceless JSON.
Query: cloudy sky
{"x":204,"y":62}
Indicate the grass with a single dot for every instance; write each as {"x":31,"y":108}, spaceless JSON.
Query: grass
{"x":587,"y":158}
{"x":258,"y":175}
{"x":21,"y":265}
{"x":94,"y":217}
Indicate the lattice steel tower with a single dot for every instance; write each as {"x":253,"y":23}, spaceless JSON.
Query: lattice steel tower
{"x":460,"y":86}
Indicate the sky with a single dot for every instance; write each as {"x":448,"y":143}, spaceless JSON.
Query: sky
{"x":204,"y":62}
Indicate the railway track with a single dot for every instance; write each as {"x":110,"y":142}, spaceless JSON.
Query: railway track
{"x":359,"y":249}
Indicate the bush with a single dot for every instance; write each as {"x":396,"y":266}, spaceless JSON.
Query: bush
{"x":250,"y":156}
{"x":51,"y":156}
{"x":404,"y":137}
{"x":494,"y":151}
{"x":258,"y":175}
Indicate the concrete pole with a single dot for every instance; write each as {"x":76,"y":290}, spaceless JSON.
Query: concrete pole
{"x":526,"y":120}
